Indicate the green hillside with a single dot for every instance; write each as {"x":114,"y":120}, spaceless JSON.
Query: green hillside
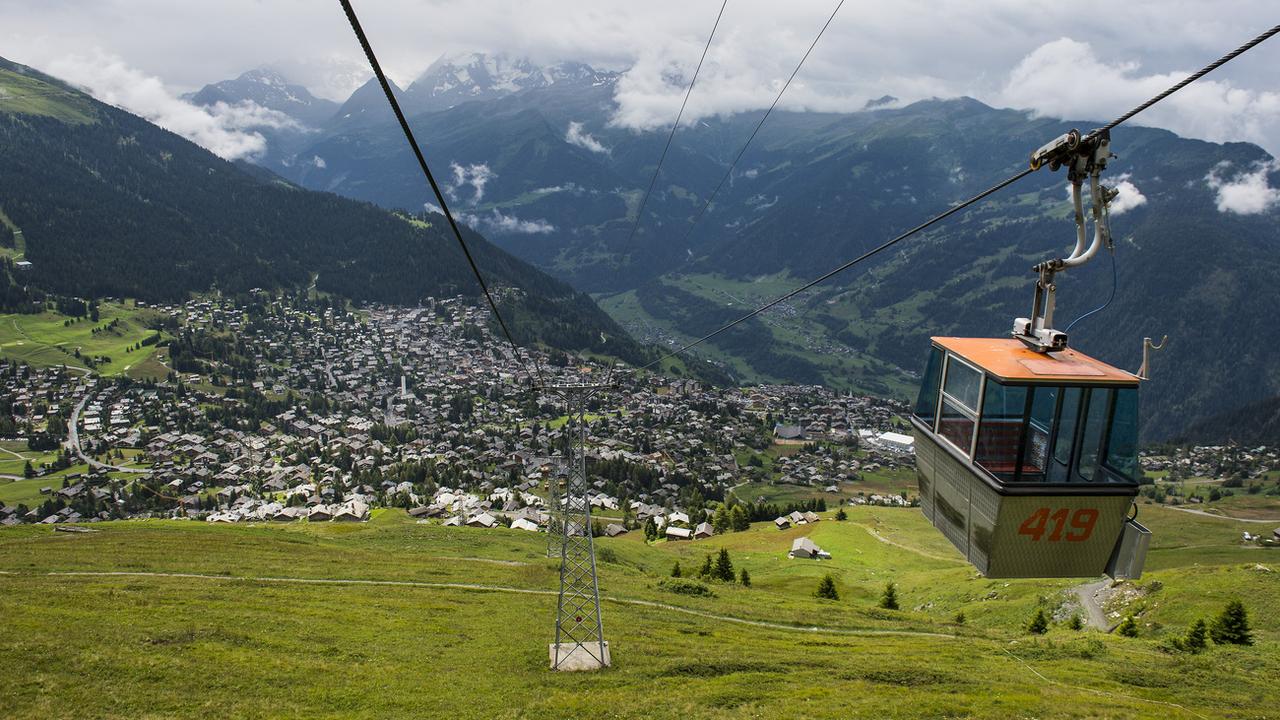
{"x":396,"y":619}
{"x":112,"y":206}
{"x":48,"y":338}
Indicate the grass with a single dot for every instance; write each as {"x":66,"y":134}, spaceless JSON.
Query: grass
{"x":28,"y":96}
{"x":27,"y":491}
{"x":132,"y":646}
{"x":44,"y":339}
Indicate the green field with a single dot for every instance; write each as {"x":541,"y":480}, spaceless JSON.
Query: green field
{"x":377,"y":620}
{"x":45,"y":339}
{"x":27,"y":96}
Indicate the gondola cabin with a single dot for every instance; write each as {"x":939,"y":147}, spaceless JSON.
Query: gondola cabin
{"x":1028,"y":461}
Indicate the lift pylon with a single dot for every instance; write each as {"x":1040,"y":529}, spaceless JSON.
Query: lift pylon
{"x":579,"y":633}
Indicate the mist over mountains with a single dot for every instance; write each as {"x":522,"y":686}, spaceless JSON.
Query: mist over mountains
{"x":536,"y":159}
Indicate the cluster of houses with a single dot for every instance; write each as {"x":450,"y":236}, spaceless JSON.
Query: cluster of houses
{"x":435,"y":377}
{"x":1215,"y":461}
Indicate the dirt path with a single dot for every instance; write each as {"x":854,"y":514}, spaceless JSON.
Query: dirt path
{"x":1202,"y":513}
{"x":639,"y":603}
{"x":875,"y":534}
{"x":519,"y":591}
{"x":1087,"y":594}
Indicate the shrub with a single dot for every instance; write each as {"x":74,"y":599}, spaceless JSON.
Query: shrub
{"x":1195,"y":641}
{"x":1232,"y":626}
{"x":827,"y":589}
{"x":841,"y":515}
{"x":675,"y":570}
{"x":1039,"y":624}
{"x":889,"y":600}
{"x":1127,"y":627}
{"x":1075,"y":623}
{"x":682,"y":586}
{"x":607,"y":554}
{"x":959,"y":618}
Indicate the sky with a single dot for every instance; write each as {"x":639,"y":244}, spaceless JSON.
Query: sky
{"x":1088,"y":60}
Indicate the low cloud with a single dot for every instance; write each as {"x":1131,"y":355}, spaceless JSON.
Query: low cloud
{"x":476,"y":176}
{"x":225,"y":130}
{"x":497,"y":222}
{"x":1129,"y":198}
{"x":1066,"y":79}
{"x":575,"y":136}
{"x":1244,"y":193}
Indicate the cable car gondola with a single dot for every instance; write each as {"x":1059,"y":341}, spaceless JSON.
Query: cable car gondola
{"x":1026,"y":450}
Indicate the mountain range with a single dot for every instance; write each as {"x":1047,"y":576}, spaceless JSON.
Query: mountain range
{"x":107,"y":204}
{"x":535,"y":159}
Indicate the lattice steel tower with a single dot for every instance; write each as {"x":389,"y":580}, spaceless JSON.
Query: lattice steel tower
{"x":580,"y":643}
{"x":555,"y":523}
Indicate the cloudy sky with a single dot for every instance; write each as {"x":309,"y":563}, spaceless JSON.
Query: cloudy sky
{"x":1089,"y":59}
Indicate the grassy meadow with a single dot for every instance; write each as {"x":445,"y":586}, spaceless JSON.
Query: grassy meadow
{"x":395,"y":619}
{"x":45,"y":339}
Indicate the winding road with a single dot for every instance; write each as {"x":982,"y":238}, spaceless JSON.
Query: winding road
{"x":73,"y":442}
{"x":1193,"y":511}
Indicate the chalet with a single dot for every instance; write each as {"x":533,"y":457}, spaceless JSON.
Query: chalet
{"x":614,"y":530}
{"x":782,"y":523}
{"x":675,"y":533}
{"x":484,"y":520}
{"x":353,"y":511}
{"x":704,"y":530}
{"x":805,"y":548}
{"x":788,"y":432}
{"x":523,"y":524}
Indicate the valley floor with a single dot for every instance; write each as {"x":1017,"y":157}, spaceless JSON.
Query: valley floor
{"x":396,"y":619}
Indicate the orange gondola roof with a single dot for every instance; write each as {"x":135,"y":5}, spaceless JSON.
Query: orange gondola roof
{"x":1009,"y":360}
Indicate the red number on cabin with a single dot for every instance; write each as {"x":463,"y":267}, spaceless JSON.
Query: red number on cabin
{"x":1082,"y":522}
{"x":1034,"y":525}
{"x":1059,"y":519}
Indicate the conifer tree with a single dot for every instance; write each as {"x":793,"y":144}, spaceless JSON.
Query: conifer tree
{"x":889,"y":600}
{"x":744,"y":578}
{"x":675,"y":570}
{"x":1075,"y":623}
{"x":1196,"y":639}
{"x":959,"y":618}
{"x":1232,"y":626}
{"x":1039,"y":624}
{"x":650,"y":530}
{"x":724,"y":567}
{"x":841,"y":515}
{"x":827,"y":589}
{"x":706,"y":569}
{"x":720,"y":520}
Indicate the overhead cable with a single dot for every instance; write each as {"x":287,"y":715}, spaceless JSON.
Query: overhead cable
{"x":435,"y":188}
{"x":644,"y":200}
{"x":728,"y":172}
{"x":956,"y":208}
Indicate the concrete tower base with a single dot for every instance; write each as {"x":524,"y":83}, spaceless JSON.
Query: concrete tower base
{"x":575,"y":656}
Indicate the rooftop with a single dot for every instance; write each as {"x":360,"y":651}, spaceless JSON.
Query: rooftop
{"x":1009,"y":360}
